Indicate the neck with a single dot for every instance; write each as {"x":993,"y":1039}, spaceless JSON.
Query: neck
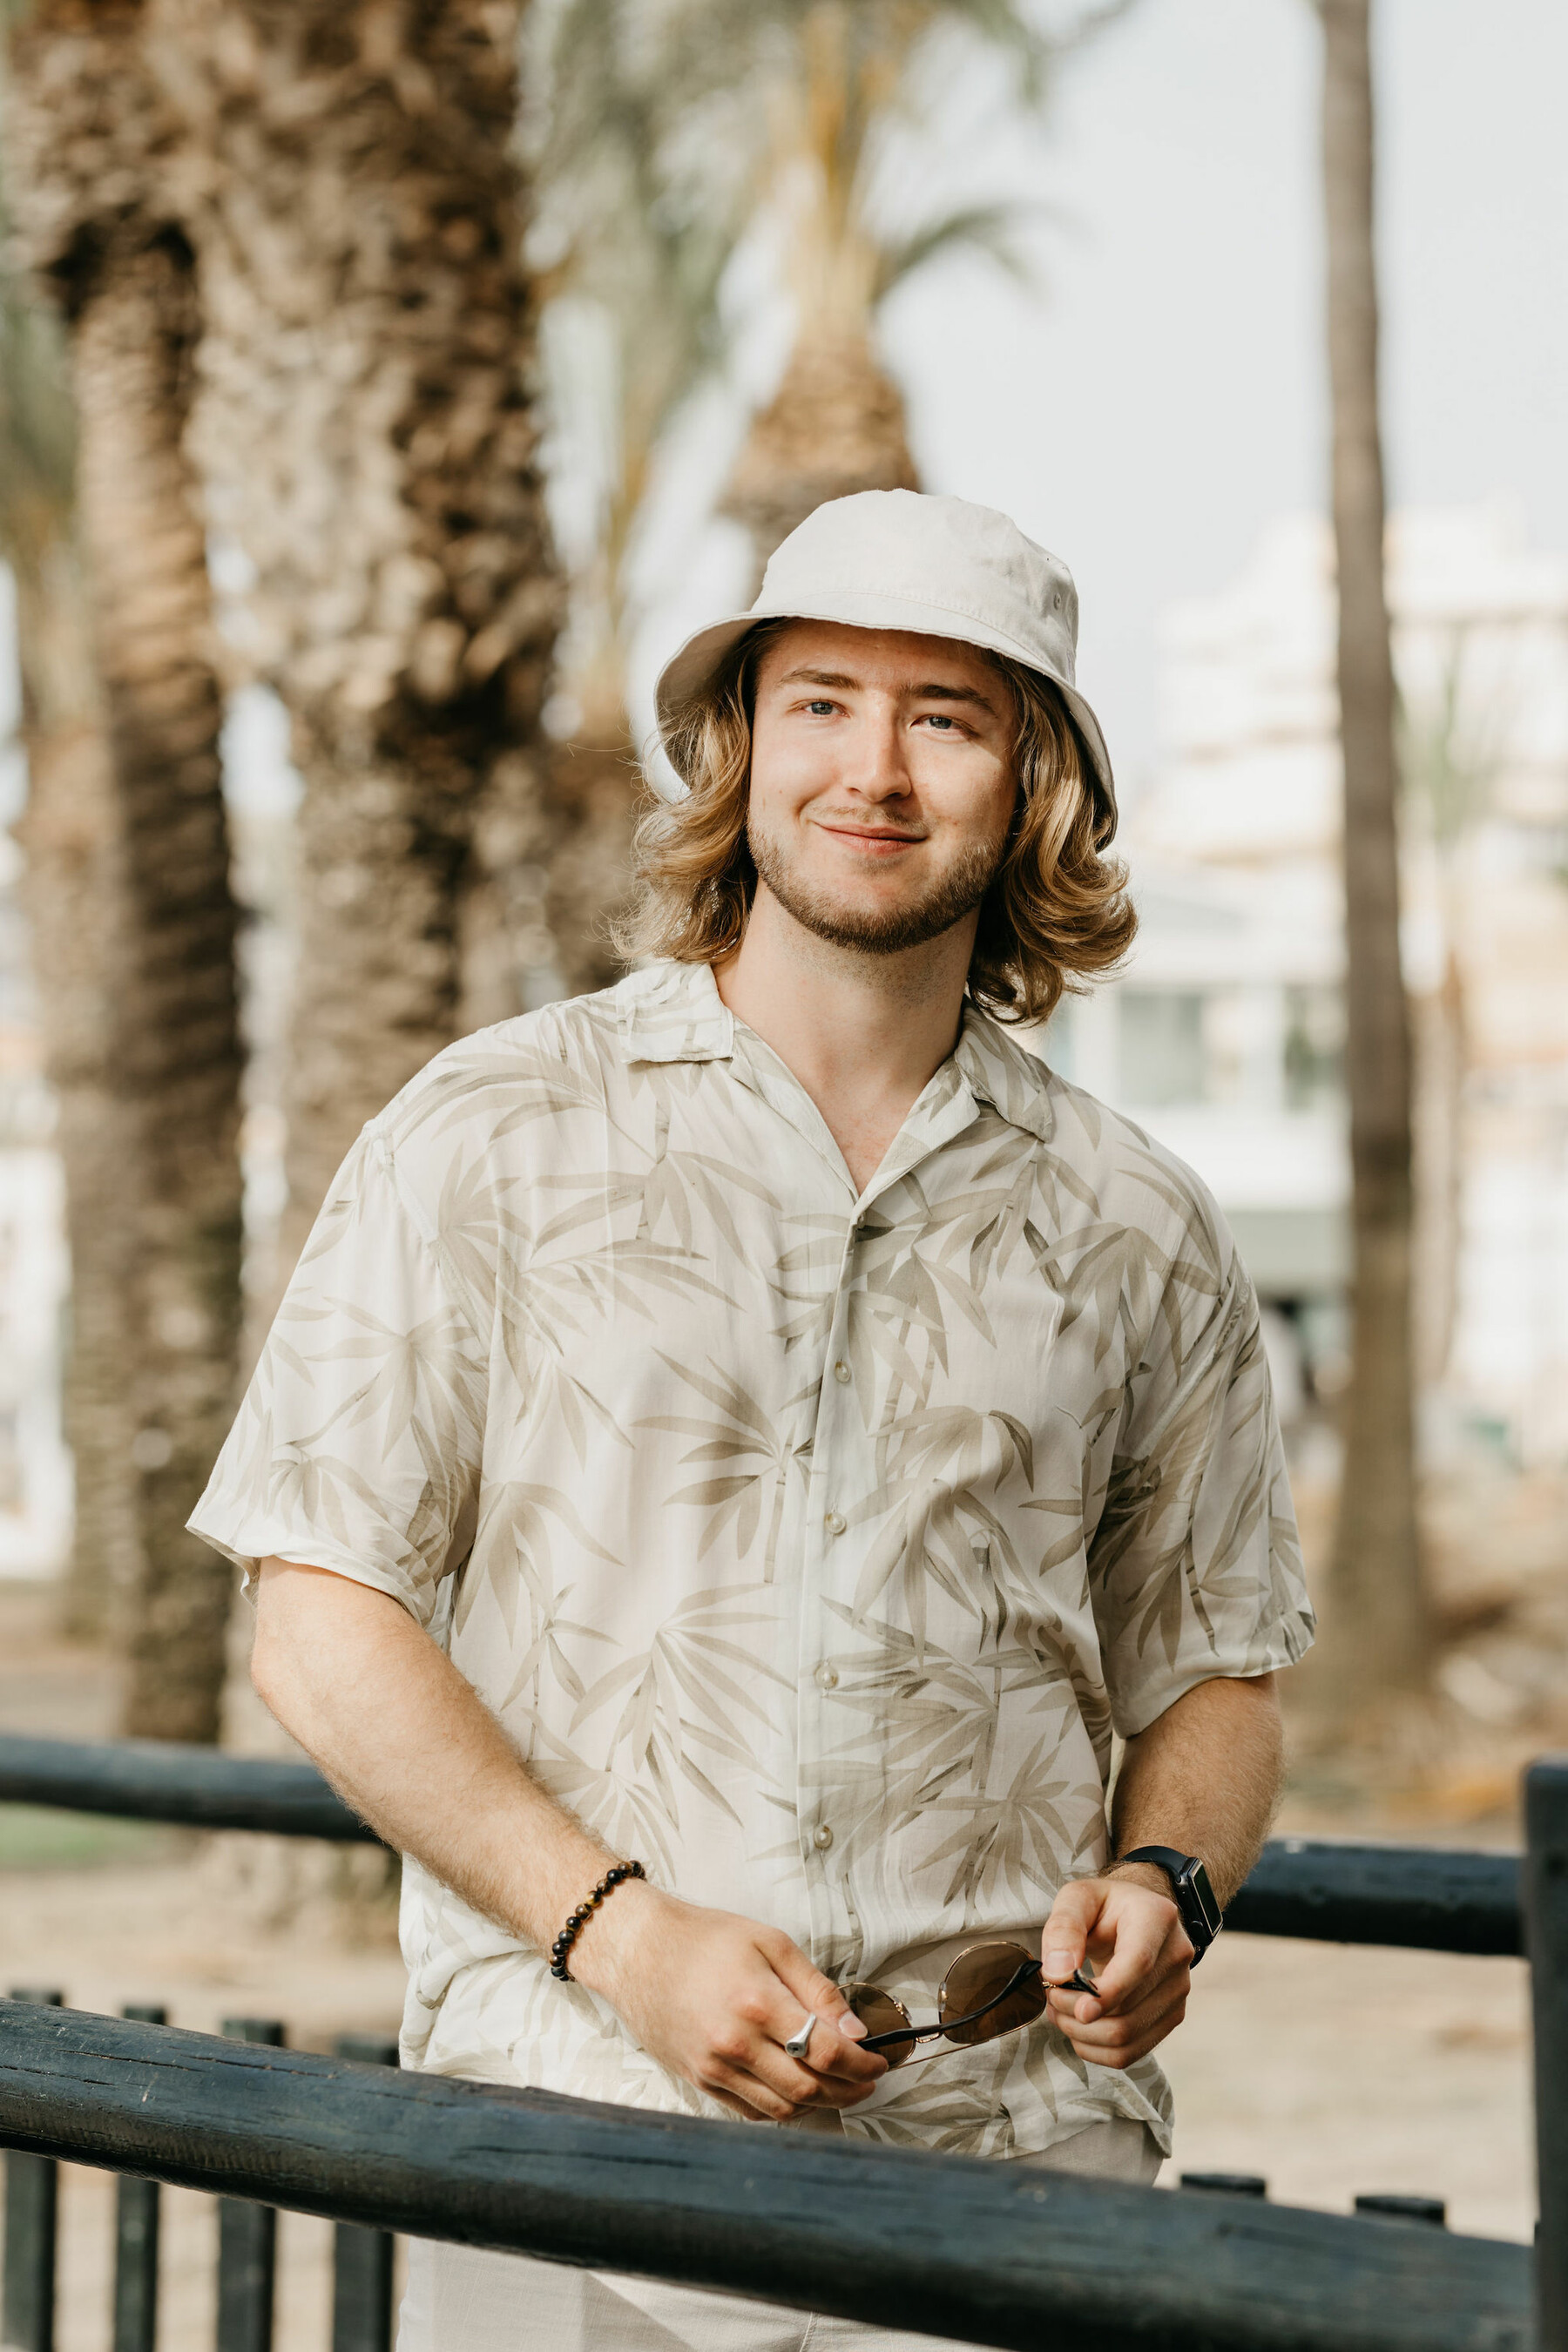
{"x":864,"y":1034}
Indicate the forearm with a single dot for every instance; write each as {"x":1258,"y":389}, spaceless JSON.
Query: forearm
{"x":1206,"y":1777}
{"x":415,"y":1750}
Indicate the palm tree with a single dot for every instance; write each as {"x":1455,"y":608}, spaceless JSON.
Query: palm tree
{"x":368,"y":435}
{"x":86,"y":148}
{"x":636,"y":225}
{"x":1377,"y":1633}
{"x":836,"y":73}
{"x":69,"y":836}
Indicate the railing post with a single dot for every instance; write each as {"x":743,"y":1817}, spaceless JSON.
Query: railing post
{"x":1545,"y":1891}
{"x":361,"y":2259}
{"x":246,"y":2237}
{"x":1383,"y":2206}
{"x":136,"y":2240}
{"x":32,"y":2203}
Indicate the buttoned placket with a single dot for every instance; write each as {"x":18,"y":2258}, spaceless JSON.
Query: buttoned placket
{"x":946,"y":1109}
{"x":837,"y":1935}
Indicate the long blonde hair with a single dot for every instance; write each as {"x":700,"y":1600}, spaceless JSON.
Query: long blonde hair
{"x":1056,"y":911}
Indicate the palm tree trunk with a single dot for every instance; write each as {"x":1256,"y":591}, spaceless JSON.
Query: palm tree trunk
{"x":368,"y":433}
{"x":182,"y":1058}
{"x":87,"y":140}
{"x":834,"y":425}
{"x":1377,"y":1633}
{"x":69,"y":834}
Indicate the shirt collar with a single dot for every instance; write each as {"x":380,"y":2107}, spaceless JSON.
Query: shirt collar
{"x":1004,"y":1074}
{"x":673,"y":1013}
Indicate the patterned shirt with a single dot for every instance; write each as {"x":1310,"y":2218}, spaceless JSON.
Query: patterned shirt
{"x":811,"y":1545}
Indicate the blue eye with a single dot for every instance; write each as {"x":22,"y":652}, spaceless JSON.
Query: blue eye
{"x":818,"y":707}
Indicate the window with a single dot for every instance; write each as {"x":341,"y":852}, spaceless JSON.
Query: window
{"x":1314,"y":1048}
{"x":1161,"y":1046}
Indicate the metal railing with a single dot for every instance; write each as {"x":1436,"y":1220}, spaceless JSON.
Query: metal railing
{"x":948,"y":2246}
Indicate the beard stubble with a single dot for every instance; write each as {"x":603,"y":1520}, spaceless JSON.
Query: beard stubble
{"x":949,"y":897}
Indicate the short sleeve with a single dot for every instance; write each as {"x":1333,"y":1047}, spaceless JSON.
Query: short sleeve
{"x":359,"y":1442}
{"x":1195,"y":1565}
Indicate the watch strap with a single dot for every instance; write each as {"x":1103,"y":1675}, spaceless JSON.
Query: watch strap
{"x":1189,"y":1883}
{"x":1169,"y":1858}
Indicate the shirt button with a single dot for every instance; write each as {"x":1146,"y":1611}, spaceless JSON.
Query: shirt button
{"x":822,"y":1837}
{"x":826,"y":1676}
{"x":841,"y":1370}
{"x":835,"y":1523}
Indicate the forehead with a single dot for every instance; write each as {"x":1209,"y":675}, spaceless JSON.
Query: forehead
{"x":896,"y":661}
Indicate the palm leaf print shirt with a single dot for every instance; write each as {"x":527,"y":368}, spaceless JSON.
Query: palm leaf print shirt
{"x":811,"y":1547}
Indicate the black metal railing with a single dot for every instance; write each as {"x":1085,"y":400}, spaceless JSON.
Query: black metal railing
{"x":1329,"y":1891}
{"x":991,"y":2254}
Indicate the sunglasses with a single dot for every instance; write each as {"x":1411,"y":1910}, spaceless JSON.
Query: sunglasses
{"x":990,"y":1990}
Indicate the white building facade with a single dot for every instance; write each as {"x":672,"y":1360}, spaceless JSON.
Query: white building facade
{"x":1225,"y":1035}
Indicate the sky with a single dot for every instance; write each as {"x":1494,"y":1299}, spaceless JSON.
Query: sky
{"x":1163,"y":395}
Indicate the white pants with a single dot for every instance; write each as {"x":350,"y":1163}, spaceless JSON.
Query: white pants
{"x":462,"y":2299}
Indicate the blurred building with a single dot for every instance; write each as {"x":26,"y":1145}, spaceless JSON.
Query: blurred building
{"x":1224,"y":1038}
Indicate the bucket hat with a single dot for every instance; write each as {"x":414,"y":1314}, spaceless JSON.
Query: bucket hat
{"x":905,"y":560}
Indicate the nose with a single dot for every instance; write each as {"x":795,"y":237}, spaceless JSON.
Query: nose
{"x":876,"y":765}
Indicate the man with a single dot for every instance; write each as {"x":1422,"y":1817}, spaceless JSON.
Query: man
{"x":760,"y":1423}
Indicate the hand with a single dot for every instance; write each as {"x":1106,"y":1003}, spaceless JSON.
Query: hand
{"x":714,"y":1998}
{"x":1131,"y":1932}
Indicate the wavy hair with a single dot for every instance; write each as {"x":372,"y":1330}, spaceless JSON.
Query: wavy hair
{"x":1056,"y":911}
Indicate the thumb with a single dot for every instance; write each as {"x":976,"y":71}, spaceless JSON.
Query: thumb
{"x":1064,"y":1946}
{"x":810,"y":1987}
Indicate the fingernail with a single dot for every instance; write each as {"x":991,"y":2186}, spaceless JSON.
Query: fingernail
{"x":852,"y":2025}
{"x":1060,"y":1964}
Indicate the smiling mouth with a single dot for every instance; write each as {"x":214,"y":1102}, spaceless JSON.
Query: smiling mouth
{"x":872,"y":838}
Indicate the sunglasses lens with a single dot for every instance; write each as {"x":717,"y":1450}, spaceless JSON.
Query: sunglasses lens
{"x":879,"y":2012}
{"x":974,"y":1981}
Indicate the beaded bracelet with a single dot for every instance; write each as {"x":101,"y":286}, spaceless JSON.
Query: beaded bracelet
{"x":563,"y":1942}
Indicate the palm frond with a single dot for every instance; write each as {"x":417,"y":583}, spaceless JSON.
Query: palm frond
{"x":989,"y":228}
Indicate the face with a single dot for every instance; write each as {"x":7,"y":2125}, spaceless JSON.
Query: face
{"x":882,"y":782}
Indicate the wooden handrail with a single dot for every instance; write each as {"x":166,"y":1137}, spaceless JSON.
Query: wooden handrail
{"x":994,"y":2254}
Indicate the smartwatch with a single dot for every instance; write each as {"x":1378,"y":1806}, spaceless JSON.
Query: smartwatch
{"x":1201,"y":1914}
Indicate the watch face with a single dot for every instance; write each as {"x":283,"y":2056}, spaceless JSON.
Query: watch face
{"x":1197,"y":1879}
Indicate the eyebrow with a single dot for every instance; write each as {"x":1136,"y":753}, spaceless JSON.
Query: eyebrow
{"x":934,"y":691}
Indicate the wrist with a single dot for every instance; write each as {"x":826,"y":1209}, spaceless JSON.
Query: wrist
{"x":601,"y":1949}
{"x":1142,"y":1874}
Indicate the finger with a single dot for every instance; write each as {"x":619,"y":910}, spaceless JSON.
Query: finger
{"x":1146,"y":1934}
{"x":735,"y":2085}
{"x":804,"y":2086}
{"x":1119,"y":2041}
{"x":833,"y":2048}
{"x":1174,"y":1962}
{"x":1064,"y":1946}
{"x":736,"y":2106}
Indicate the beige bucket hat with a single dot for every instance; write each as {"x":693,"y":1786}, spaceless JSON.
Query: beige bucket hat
{"x":903,"y":560}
